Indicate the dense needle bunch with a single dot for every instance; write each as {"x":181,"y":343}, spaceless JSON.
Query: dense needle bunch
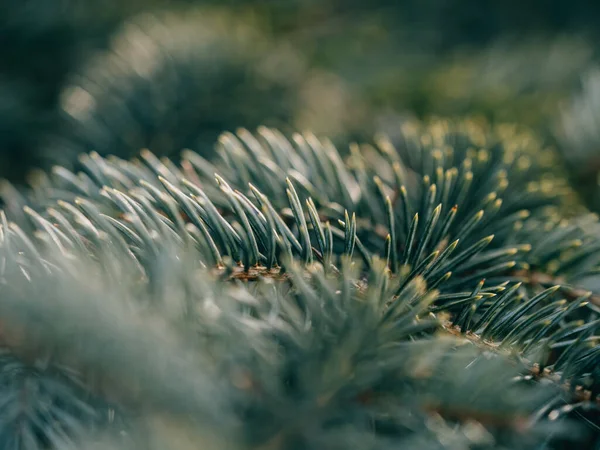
{"x":173,"y":80}
{"x":422,"y":292}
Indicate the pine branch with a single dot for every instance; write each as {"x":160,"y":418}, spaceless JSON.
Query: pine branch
{"x":250,"y":288}
{"x":307,"y":322}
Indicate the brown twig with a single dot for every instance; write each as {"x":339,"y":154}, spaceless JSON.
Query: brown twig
{"x":578,"y":393}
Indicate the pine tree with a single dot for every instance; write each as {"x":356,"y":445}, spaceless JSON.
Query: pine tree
{"x":436,"y":292}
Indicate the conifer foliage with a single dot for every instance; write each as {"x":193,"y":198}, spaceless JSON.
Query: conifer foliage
{"x":426,"y":293}
{"x":171,"y":80}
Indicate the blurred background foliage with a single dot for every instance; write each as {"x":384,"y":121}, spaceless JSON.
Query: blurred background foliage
{"x":116,"y":76}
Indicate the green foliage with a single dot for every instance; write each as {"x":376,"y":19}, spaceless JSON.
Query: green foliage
{"x":122,"y":77}
{"x":62,"y":71}
{"x":171,"y":81}
{"x":438,"y":288}
{"x":522,"y":80}
{"x":426,"y":294}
